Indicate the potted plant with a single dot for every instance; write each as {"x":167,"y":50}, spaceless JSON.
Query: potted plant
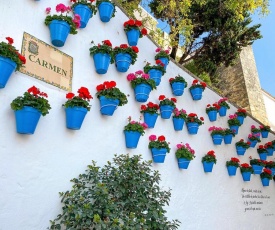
{"x":217,"y":134}
{"x":61,"y":25}
{"x":232,"y":166}
{"x":124,"y":56}
{"x":265,"y":129}
{"x":270,"y":165}
{"x":103,"y":55}
{"x":106,"y":10}
{"x":246,"y":171}
{"x":255,"y":130}
{"x":150,"y":113}
{"x":269,"y":148}
{"x":212,"y":111}
{"x":196,"y":89}
{"x":266,"y":176}
{"x":155,"y":71}
{"x":134,"y":30}
{"x":166,"y":106}
{"x":228,"y":135}
{"x":142,"y":85}
{"x":28,"y":109}
{"x":178,"y":84}
{"x":178,"y":118}
{"x":10,"y":60}
{"x":241,"y":114}
{"x":159,"y":147}
{"x":110,"y":97}
{"x":85,"y":9}
{"x":184,"y":155}
{"x":262,"y":152}
{"x":132,"y":131}
{"x":253,"y":139}
{"x":242,"y":146}
{"x":208,"y":161}
{"x":234,"y":123}
{"x":163,"y":56}
{"x":193,"y":123}
{"x":76,"y":108}
{"x":257,"y":165}
{"x":223,"y":106}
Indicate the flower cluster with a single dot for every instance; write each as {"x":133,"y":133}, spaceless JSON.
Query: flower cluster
{"x":243,"y":144}
{"x":159,"y":66}
{"x":257,"y":162}
{"x":179,"y":113}
{"x":132,"y":24}
{"x":131,"y":50}
{"x":158,"y":143}
{"x":105,"y":48}
{"x":86,"y":3}
{"x":149,"y":108}
{"x":167,"y":101}
{"x":269,"y":145}
{"x":162,"y":53}
{"x":185,"y":151}
{"x":246,"y":168}
{"x":216,"y":130}
{"x":222,"y":102}
{"x":209,"y":157}
{"x":139,"y":77}
{"x":198,"y":84}
{"x":270,"y":164}
{"x":233,"y":121}
{"x":254,"y":129}
{"x":80,"y":100}
{"x":193,"y":118}
{"x":135,"y":126}
{"x":267,"y":173}
{"x":229,"y":131}
{"x":265,"y":128}
{"x":109,"y":90}
{"x":178,"y":79}
{"x":241,"y":112}
{"x":233,"y":162}
{"x":214,"y":107}
{"x":261,"y":149}
{"x":254,"y":137}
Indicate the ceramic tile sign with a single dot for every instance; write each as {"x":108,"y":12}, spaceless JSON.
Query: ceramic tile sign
{"x":46,"y":63}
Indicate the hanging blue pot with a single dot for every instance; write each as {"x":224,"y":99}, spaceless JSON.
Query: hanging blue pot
{"x":272,"y":170}
{"x":85,"y":14}
{"x":253,"y":143}
{"x":217,"y":139}
{"x":270,"y":151}
{"x":178,"y":88}
{"x":150,"y":119}
{"x":159,"y":155}
{"x":27,"y":120}
{"x":240,"y":150}
{"x":263,"y":156}
{"x":106,"y":10}
{"x":178,"y":123}
{"x":7,"y":66}
{"x":232,"y":170}
{"x":75,"y":117}
{"x":59,"y":31}
{"x":142,"y":92}
{"x":166,"y":111}
{"x":222,"y":111}
{"x":155,"y":74}
{"x":108,"y":105}
{"x":208,"y":166}
{"x":234,"y":127}
{"x":264,"y":134}
{"x":257,"y":169}
{"x":192,"y":128}
{"x":165,"y":61}
{"x":241,"y":119}
{"x":246,"y":176}
{"x":132,"y":37}
{"x":131,"y":139}
{"x":228,"y":139}
{"x":183,"y":163}
{"x":196,"y":93}
{"x":265,"y":181}
{"x":101,"y":62}
{"x":212,"y":115}
{"x":123,"y":62}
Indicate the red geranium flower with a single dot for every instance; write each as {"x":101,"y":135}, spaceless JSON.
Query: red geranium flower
{"x":107,"y":42}
{"x":138,"y":23}
{"x":123,"y":46}
{"x":143,"y":107}
{"x":69,"y":95}
{"x":161,"y":138}
{"x":161,"y":97}
{"x":100,"y":87}
{"x":10,"y":40}
{"x":144,"y":31}
{"x":174,"y":99}
{"x":135,"y":49}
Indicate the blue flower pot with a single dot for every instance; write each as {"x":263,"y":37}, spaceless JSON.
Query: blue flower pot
{"x":270,"y":151}
{"x":166,"y":111}
{"x":108,"y":105}
{"x":156,"y":75}
{"x":265,"y":181}
{"x":101,"y":62}
{"x":27,"y":120}
{"x":227,"y":139}
{"x":123,"y":62}
{"x":183,"y":163}
{"x":196,"y":93}
{"x":212,"y":115}
{"x":241,"y":119}
{"x":263,"y":156}
{"x":192,"y":128}
{"x":142,"y":92}
{"x":234,"y":127}
{"x":264,"y":134}
{"x":240,"y":150}
{"x":7,"y":67}
{"x":217,"y":139}
{"x":253,"y":143}
{"x":208,"y":166}
{"x":232,"y":170}
{"x":178,"y":88}
{"x":178,"y":123}
{"x":59,"y":31}
{"x":132,"y":37}
{"x":222,"y":111}
{"x":75,"y":117}
{"x":272,"y":170}
{"x":106,"y":10}
{"x":159,"y":155}
{"x":150,"y":119}
{"x":246,"y":176}
{"x":165,"y":61}
{"x":85,"y":14}
{"x":257,"y":169}
{"x":131,"y":139}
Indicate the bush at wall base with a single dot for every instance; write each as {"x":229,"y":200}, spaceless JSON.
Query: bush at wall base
{"x":106,"y":10}
{"x":75,"y":117}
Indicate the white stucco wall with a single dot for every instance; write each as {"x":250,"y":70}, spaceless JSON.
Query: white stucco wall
{"x":33,"y":169}
{"x":270,"y":108}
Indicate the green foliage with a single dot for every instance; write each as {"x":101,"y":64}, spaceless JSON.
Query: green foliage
{"x":140,"y":80}
{"x":122,"y":195}
{"x":243,"y":144}
{"x":86,"y":3}
{"x":233,"y":122}
{"x":105,"y":48}
{"x":148,"y":67}
{"x":77,"y":102}
{"x":266,"y":174}
{"x":209,"y":157}
{"x":178,"y":79}
{"x":192,"y":67}
{"x":229,"y":131}
{"x":135,"y":126}
{"x":185,"y":152}
{"x":233,"y":162}
{"x":98,"y":2}
{"x":246,"y":168}
{"x":257,"y":162}
{"x":64,"y":18}
{"x":159,"y":144}
{"x":128,"y":50}
{"x":113,"y":93}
